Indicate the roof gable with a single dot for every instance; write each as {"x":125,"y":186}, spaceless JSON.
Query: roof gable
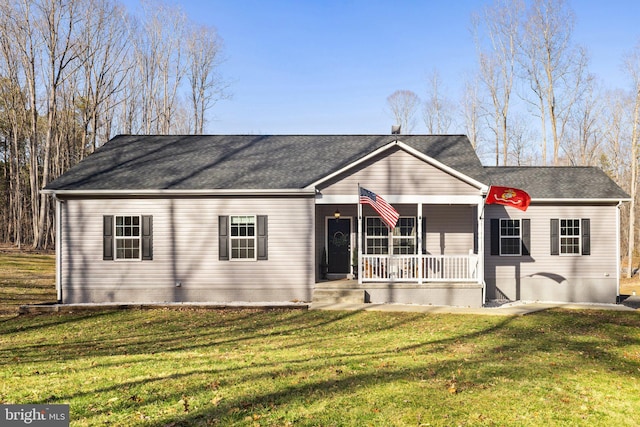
{"x":388,"y":149}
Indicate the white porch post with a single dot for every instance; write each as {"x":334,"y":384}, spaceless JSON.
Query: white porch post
{"x":618,"y":261}
{"x":480,"y":266}
{"x":420,"y":243}
{"x":359,"y":244}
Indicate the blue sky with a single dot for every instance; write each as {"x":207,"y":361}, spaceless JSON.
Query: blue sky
{"x":307,"y":67}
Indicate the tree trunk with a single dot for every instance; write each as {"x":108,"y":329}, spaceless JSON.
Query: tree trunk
{"x":633,"y":182}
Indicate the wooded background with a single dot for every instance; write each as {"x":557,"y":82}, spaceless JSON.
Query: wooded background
{"x":74,"y":73}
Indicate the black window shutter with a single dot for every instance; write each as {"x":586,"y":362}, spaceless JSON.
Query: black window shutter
{"x":555,"y":238}
{"x":495,"y":236}
{"x":107,"y":237}
{"x":262,"y":237}
{"x":586,"y":239}
{"x":526,"y":236}
{"x":223,"y":238}
{"x":147,"y":237}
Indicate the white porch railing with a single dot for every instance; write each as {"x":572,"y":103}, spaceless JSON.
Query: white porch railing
{"x":418,"y":268}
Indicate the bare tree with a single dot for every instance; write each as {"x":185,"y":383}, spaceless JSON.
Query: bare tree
{"x":555,"y":69}
{"x":57,"y":27}
{"x":471,"y":111}
{"x":520,"y":141}
{"x":19,"y":32}
{"x":12,"y":108}
{"x":103,"y":48}
{"x":585,"y":134}
{"x":499,"y":24}
{"x":161,"y":62}
{"x":69,"y":79}
{"x":204,"y":48}
{"x":403,"y":105}
{"x":632,"y":66}
{"x":437,"y":109}
{"x":617,"y":124}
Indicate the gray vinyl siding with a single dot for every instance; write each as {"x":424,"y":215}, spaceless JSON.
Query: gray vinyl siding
{"x":450,"y":229}
{"x":185,"y":250}
{"x":542,"y":276}
{"x":398,"y":172}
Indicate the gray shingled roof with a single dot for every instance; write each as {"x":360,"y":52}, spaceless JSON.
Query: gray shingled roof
{"x":227,"y":162}
{"x":244,"y":161}
{"x":551,"y":182}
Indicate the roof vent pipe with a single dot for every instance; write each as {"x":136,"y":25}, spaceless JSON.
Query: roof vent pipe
{"x":395,"y":130}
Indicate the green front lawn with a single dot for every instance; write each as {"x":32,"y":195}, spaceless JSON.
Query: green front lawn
{"x":196,"y":367}
{"x":25,"y":279}
{"x":169,"y":367}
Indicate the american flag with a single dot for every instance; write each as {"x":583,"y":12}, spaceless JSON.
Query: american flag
{"x":385,"y":210}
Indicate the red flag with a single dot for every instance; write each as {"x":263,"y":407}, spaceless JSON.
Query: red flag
{"x":385,"y":210}
{"x":508,"y":196}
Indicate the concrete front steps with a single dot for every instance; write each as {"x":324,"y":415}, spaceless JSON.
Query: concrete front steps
{"x":338,"y":292}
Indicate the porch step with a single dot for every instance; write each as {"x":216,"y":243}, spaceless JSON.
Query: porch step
{"x":333,"y":296}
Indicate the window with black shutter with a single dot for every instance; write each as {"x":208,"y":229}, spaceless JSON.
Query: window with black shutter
{"x":570,"y":236}
{"x":243,"y":237}
{"x":127,"y":237}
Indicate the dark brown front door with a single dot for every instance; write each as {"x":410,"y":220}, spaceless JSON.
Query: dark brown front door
{"x":338,"y":242}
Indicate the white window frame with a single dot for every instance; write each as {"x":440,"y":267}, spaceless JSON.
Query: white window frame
{"x":117,"y":238}
{"x":511,"y":236}
{"x":389,"y":237}
{"x":561,"y":236}
{"x":245,"y":238}
{"x":382,"y":237}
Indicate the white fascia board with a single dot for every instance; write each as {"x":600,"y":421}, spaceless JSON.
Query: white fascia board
{"x":403,"y":199}
{"x":412,"y":151}
{"x":225,"y":192}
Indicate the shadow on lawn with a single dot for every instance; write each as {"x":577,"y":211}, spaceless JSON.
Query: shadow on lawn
{"x":161,"y":331}
{"x":551,"y":333}
{"x":472,"y":350}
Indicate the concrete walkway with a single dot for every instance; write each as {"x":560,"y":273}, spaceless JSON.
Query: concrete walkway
{"x":509,"y":309}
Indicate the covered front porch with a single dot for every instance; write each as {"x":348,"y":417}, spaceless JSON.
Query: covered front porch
{"x":433,"y":256}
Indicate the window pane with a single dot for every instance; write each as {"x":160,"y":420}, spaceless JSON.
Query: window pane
{"x":405,"y":227}
{"x":404,"y":247}
{"x":570,"y":236}
{"x":404,"y":236}
{"x":243,"y":248}
{"x":510,"y":241}
{"x":377,"y":246}
{"x":510,"y":227}
{"x":510,"y":246}
{"x":375,"y":227}
{"x":127,"y":248}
